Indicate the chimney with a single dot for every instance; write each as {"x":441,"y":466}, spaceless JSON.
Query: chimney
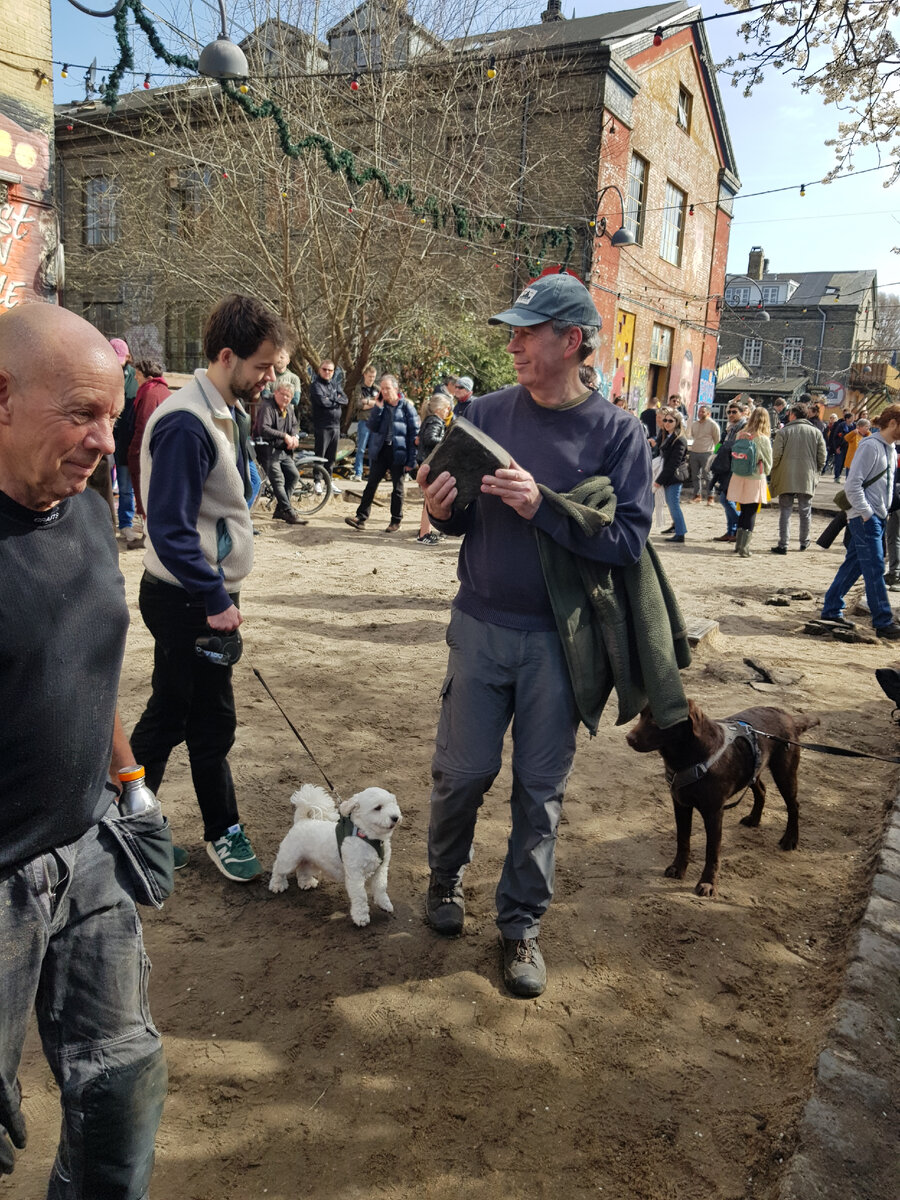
{"x":765,"y":267}
{"x":756,"y":264}
{"x":553,"y":12}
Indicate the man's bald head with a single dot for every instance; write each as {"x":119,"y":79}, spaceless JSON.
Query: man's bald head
{"x":42,"y":340}
{"x":61,"y":389}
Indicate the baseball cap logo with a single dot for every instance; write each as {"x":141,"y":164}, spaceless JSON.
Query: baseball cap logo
{"x":527,"y":296}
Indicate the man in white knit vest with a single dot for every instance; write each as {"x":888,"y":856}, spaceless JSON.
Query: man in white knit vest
{"x":195,"y":483}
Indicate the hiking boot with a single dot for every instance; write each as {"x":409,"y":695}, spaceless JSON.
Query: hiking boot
{"x":180,"y":857}
{"x":524,"y":972}
{"x":354,"y":522}
{"x":445,"y":906}
{"x":292,"y":519}
{"x":726,"y":537}
{"x":890,"y":632}
{"x":393,"y":527}
{"x":233,"y":855}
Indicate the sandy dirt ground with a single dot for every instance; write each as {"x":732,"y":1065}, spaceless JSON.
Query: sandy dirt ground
{"x":673,"y":1050}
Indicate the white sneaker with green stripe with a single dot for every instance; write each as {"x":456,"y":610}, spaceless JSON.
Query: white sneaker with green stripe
{"x":233,"y":855}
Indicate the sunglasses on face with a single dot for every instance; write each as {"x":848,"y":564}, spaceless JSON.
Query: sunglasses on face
{"x":668,"y":421}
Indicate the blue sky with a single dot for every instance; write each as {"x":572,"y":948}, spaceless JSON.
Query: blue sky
{"x":778,"y":137}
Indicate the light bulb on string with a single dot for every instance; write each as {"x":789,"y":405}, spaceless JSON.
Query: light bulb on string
{"x":691,"y":210}
{"x":354,"y":83}
{"x":64,"y":73}
{"x":658,"y":37}
{"x":492,"y":68}
{"x":802,"y":189}
{"x":147,"y":82}
{"x":244,"y":87}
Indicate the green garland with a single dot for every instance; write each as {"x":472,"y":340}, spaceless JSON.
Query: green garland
{"x":466,"y":226}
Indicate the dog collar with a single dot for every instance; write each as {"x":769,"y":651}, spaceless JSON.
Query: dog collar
{"x":345,"y":828}
{"x":679,"y":780}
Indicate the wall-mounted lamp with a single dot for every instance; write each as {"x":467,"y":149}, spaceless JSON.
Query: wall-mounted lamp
{"x":621,"y":237}
{"x":760,"y":310}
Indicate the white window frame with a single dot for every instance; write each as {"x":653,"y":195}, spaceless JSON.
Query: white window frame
{"x":771,"y":294}
{"x":683,"y":109}
{"x":671,"y":238}
{"x":636,"y":198}
{"x":752,"y":355}
{"x":737,"y":297}
{"x":792,"y":354}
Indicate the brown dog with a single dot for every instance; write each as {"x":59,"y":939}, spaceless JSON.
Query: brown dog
{"x":708,"y":761}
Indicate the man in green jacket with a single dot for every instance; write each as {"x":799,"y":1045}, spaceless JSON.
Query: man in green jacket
{"x":798,"y":456}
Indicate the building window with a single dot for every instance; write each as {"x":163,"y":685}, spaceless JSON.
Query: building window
{"x":770,"y":295}
{"x":101,"y":218}
{"x":752,"y":355}
{"x":793,"y":352}
{"x":635,"y":199}
{"x":188,"y":192}
{"x":661,"y":345}
{"x":672,"y":225}
{"x":107,"y":317}
{"x":184,"y":338}
{"x":737,"y":297}
{"x":683,"y":113}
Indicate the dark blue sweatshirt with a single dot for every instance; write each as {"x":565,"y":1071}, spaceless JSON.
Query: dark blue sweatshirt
{"x":500,"y":574}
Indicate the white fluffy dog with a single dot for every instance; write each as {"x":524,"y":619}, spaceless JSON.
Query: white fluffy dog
{"x":363,"y":824}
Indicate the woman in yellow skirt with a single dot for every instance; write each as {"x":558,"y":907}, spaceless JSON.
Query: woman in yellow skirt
{"x":749,"y":491}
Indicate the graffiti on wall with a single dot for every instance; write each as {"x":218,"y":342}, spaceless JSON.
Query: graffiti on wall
{"x":637,"y":392}
{"x":28,"y":236}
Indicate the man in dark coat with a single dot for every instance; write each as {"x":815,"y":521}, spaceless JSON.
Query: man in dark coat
{"x":327,"y":398}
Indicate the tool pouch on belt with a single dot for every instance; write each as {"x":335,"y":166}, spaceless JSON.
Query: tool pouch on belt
{"x":146,"y":841}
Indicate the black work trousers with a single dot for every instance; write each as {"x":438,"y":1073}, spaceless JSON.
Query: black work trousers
{"x":192,"y":701}
{"x":326,"y":443}
{"x":377,"y":471}
{"x":283,"y":476}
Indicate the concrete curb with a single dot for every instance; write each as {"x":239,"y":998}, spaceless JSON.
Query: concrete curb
{"x":848,"y":1140}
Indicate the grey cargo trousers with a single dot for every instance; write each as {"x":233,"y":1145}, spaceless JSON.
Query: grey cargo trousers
{"x":496,"y":675}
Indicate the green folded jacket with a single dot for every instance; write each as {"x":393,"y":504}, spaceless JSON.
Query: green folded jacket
{"x":621,"y":627}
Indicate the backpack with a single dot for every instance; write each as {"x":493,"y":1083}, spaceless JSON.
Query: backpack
{"x":744,"y":457}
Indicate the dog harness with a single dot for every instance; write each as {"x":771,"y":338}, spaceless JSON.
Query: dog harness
{"x":345,"y":828}
{"x":679,"y":780}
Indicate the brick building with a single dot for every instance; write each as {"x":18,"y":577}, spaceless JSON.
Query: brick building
{"x":820,"y":323}
{"x":579,"y":108}
{"x":29,"y":256}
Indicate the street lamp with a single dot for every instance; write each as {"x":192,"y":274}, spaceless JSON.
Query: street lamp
{"x":760,"y":311}
{"x":621,"y":237}
{"x":222,"y":59}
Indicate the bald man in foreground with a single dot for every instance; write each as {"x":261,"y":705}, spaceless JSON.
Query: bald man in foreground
{"x":70,"y":935}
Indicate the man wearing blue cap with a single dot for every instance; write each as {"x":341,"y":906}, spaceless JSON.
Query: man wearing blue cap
{"x":506,"y":657}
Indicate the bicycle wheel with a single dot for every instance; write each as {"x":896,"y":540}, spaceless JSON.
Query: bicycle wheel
{"x":313,"y":490}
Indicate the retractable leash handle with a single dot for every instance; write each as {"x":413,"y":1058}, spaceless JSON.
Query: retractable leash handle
{"x":222,"y":649}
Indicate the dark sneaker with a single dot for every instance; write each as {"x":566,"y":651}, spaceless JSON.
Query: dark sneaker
{"x":524,"y":972}
{"x":445,"y":906}
{"x":841,"y":621}
{"x":180,"y":857}
{"x":890,"y":632}
{"x":233,"y":855}
{"x":430,"y":539}
{"x":354,"y":522}
{"x":778,"y":549}
{"x":804,"y":545}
